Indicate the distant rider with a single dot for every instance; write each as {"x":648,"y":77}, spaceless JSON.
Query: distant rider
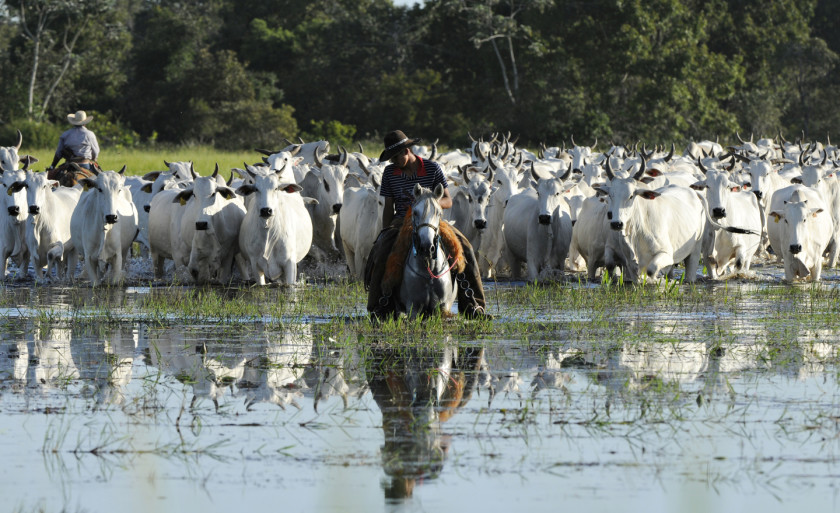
{"x":78,"y":144}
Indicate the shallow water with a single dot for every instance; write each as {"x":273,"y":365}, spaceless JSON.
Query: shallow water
{"x":724,"y":400}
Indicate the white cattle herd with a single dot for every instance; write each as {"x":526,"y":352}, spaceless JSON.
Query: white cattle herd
{"x":637,"y":213}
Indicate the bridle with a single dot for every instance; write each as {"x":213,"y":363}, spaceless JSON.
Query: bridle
{"x":433,"y":250}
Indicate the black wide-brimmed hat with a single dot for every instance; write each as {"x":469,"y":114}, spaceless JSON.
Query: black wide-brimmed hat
{"x":394,"y":142}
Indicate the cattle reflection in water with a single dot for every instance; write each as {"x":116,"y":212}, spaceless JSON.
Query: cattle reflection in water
{"x":417,"y":391}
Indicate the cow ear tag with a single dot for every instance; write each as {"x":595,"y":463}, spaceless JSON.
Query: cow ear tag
{"x":183,"y":201}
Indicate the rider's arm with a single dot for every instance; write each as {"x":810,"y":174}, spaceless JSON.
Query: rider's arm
{"x":388,"y":212}
{"x":446,"y":201}
{"x":94,"y":146}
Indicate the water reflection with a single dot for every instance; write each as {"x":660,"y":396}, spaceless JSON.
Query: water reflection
{"x":276,"y":375}
{"x":417,"y":390}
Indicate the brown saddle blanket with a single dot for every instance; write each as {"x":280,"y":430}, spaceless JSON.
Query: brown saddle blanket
{"x":68,"y":175}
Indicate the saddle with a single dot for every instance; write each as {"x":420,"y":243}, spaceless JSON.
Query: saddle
{"x":69,"y":174}
{"x":396,"y":259}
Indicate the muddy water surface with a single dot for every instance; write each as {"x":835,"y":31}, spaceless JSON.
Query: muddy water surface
{"x":722,"y":398}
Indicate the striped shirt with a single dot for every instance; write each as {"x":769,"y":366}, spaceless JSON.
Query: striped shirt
{"x":395,"y":184}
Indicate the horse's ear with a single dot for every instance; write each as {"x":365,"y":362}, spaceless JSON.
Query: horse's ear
{"x":418,"y":190}
{"x":438,"y":191}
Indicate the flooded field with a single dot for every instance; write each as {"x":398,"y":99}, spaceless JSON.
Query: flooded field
{"x":710,"y":397}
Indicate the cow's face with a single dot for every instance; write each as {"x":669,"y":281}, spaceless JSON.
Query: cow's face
{"x":550,"y":197}
{"x":478,"y":195}
{"x":284,"y":162}
{"x":13,"y":199}
{"x":37,"y":187}
{"x":9,"y":159}
{"x":799,"y":218}
{"x":506,"y":179}
{"x":109,"y":189}
{"x":622,"y":194}
{"x":581,"y":155}
{"x":759,"y":172}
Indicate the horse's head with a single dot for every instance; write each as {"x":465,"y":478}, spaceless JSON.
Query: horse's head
{"x":425,"y":217}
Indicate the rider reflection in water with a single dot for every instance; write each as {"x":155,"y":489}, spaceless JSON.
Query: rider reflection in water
{"x":418,"y":390}
{"x":398,"y":180}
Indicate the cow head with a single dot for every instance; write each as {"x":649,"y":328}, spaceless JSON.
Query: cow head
{"x":760,"y":171}
{"x":326,"y":184}
{"x":269,"y":190}
{"x":13,"y":198}
{"x":477,"y":189}
{"x":549,"y":194}
{"x":9,"y":155}
{"x":110,"y":191}
{"x":798,"y":217}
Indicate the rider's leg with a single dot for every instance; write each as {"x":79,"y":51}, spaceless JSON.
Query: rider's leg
{"x":378,"y":304}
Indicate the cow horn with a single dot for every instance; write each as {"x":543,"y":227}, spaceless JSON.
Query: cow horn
{"x":364,"y":168}
{"x":280,"y":171}
{"x":167,"y":164}
{"x":192,"y":171}
{"x":594,"y":144}
{"x":519,"y":164}
{"x":608,"y":170}
{"x":433,"y":156}
{"x":480,"y":156}
{"x":343,"y":152}
{"x":782,"y":137}
{"x":513,"y":142}
{"x":540,"y":154}
{"x":495,"y":137}
{"x":670,"y":155}
{"x":301,"y":140}
{"x":361,"y":150}
{"x":492,"y":165}
{"x":471,"y":137}
{"x":739,"y":138}
{"x":318,"y":161}
{"x":827,"y":139}
{"x":572,"y":138}
{"x":825,"y":157}
{"x":565,"y":175}
{"x":490,"y":175}
{"x":802,"y":158}
{"x":534,"y":174}
{"x":265,"y":152}
{"x":215,"y":171}
{"x":702,"y":167}
{"x":20,"y":141}
{"x":642,"y":168}
{"x":122,"y":171}
{"x":507,"y":150}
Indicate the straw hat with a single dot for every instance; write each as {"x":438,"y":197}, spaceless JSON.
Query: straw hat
{"x":79,"y":118}
{"x":394,"y":142}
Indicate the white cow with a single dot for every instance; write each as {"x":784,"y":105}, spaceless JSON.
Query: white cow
{"x":506,"y":180}
{"x":823,"y":178}
{"x":277,"y":231}
{"x":208,"y":238}
{"x":799,"y":228}
{"x":13,"y":214}
{"x":311,"y":152}
{"x":728,"y":203}
{"x":324,"y":183}
{"x":48,"y":219}
{"x":469,"y":205}
{"x":538,"y":227}
{"x":103,"y":226}
{"x":661,"y":227}
{"x":163,"y":214}
{"x":590,"y":234}
{"x":360,"y":220}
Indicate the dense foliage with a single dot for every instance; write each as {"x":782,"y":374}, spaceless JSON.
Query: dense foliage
{"x":246,"y":73}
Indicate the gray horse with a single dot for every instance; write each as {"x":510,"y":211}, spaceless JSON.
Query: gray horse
{"x":427,"y":284}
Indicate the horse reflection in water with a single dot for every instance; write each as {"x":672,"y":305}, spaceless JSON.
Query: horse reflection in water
{"x":418,"y":390}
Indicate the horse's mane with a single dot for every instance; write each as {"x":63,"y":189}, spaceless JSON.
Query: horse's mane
{"x":396,"y":260}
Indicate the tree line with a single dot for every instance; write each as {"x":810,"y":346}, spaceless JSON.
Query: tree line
{"x":246,"y":73}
